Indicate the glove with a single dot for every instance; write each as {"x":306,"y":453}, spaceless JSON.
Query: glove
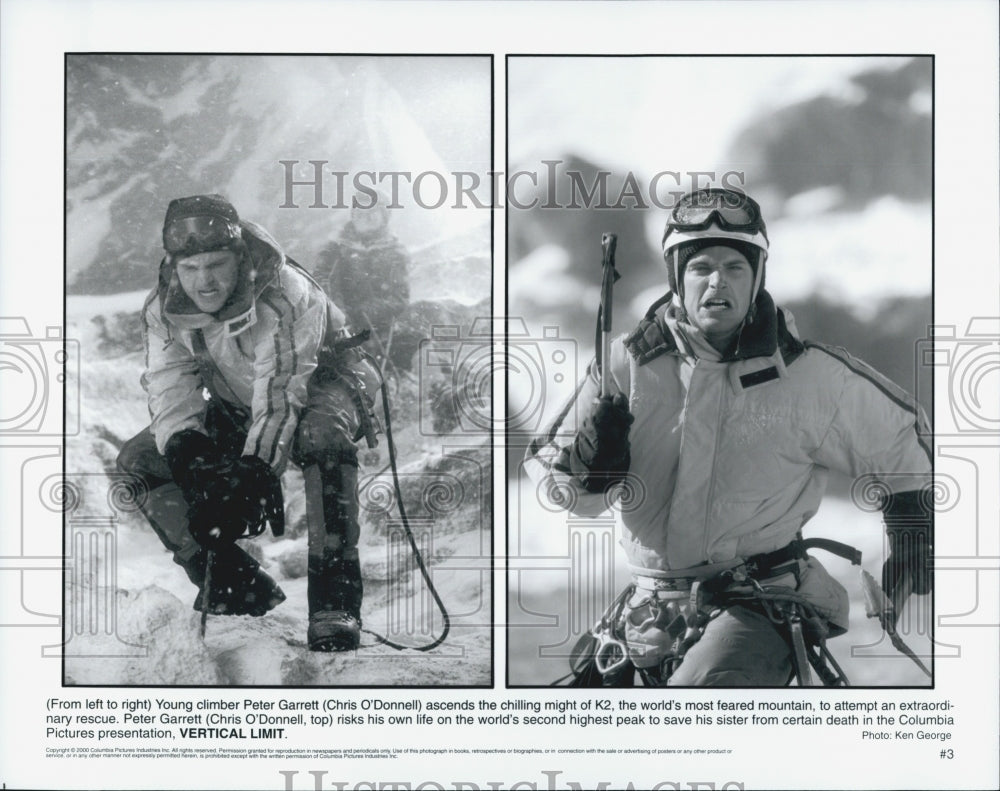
{"x":239,"y":500}
{"x":213,"y":526}
{"x":194,"y":461}
{"x":909,"y":526}
{"x":601,"y":452}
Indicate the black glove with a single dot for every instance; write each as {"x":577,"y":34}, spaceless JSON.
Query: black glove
{"x":909,"y":526}
{"x":240,"y":499}
{"x":194,"y":461}
{"x":213,"y":525}
{"x":601,"y":455}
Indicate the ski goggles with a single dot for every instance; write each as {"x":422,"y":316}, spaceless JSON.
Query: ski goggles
{"x":191,"y":235}
{"x":725,"y":209}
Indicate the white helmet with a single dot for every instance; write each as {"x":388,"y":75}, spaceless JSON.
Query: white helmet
{"x":720,"y":216}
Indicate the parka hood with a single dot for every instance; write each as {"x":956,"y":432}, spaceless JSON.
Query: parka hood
{"x":259,"y":266}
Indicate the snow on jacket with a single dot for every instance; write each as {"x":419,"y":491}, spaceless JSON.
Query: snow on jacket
{"x":265,"y":344}
{"x":730,"y":458}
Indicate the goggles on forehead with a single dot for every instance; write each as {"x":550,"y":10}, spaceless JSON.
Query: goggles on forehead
{"x":725,"y":209}
{"x":191,"y":235}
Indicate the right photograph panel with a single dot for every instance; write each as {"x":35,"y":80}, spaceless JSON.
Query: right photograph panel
{"x":719,"y":290}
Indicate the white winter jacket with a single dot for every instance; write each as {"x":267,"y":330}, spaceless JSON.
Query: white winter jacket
{"x":265,"y":343}
{"x":730,"y":458}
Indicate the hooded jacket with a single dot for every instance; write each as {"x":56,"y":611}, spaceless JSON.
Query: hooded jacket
{"x":730,"y":457}
{"x":265,"y":343}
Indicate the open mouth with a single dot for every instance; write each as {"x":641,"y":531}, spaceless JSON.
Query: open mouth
{"x":716,"y":303}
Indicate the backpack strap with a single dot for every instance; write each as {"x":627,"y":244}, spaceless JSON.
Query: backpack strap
{"x":211,"y":376}
{"x":213,"y":380}
{"x":791,"y":348}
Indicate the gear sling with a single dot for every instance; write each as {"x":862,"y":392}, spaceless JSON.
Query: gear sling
{"x":651,"y":625}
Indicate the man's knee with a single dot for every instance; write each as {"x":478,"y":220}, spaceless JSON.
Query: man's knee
{"x":129,"y":453}
{"x":137,"y":453}
{"x":740,"y":648}
{"x":322,"y":437}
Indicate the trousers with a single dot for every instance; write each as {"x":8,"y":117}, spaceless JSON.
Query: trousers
{"x":739,"y":648}
{"x":323,"y":447}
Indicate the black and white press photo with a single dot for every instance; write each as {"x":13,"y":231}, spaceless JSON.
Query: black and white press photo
{"x":722,"y":474}
{"x":272,"y":265}
{"x":550,"y":395}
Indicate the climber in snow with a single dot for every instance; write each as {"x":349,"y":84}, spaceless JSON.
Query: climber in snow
{"x":249,"y":367}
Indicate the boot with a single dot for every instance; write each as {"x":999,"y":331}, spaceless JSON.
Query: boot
{"x":335,"y":588}
{"x":238,"y":585}
{"x":333,"y":631}
{"x":335,"y":594}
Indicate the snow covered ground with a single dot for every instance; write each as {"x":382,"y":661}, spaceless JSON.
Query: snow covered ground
{"x":129,"y":619}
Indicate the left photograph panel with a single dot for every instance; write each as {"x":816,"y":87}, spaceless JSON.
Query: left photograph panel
{"x":278,"y":271}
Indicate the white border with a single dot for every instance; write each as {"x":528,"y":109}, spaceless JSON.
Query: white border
{"x":961,"y":35}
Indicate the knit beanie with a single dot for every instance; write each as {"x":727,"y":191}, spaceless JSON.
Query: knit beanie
{"x":201,"y":206}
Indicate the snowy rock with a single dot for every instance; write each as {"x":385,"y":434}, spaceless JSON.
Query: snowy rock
{"x":293,"y":560}
{"x":156,"y":640}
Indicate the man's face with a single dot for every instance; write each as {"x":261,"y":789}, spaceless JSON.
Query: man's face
{"x":209,"y":278}
{"x":718,"y":282}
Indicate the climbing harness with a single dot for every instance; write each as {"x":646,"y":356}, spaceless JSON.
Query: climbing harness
{"x":659,"y":616}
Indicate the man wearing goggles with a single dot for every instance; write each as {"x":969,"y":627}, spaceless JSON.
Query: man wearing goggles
{"x":247,"y":371}
{"x":723,"y":424}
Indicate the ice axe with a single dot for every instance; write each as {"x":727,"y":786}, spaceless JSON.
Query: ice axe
{"x":602,"y":342}
{"x":878,"y":605}
{"x":206,"y":590}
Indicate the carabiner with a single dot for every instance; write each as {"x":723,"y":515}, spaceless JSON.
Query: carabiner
{"x":611,"y":654}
